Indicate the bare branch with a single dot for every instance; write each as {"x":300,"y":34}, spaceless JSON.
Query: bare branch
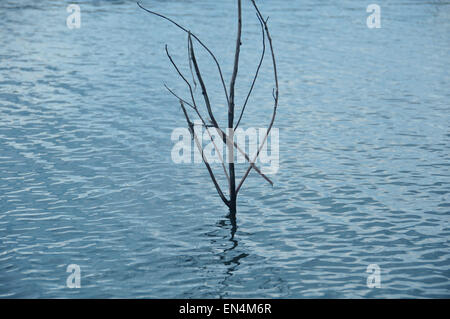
{"x":219,"y":154}
{"x":194,"y":105}
{"x":207,"y":130}
{"x":200,"y":148}
{"x":235,"y":68}
{"x":233,"y":193}
{"x":202,"y":84}
{"x":182,"y":76}
{"x":257,"y":71}
{"x":230,"y":97}
{"x":190,"y":61}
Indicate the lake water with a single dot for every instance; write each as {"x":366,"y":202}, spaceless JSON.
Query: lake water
{"x":86,"y":175}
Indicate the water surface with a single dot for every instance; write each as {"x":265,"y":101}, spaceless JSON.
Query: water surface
{"x":86,"y":175}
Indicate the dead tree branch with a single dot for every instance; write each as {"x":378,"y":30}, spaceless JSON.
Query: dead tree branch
{"x":257,"y":72}
{"x":219,"y":153}
{"x":227,"y":138}
{"x":202,"y":84}
{"x":200,"y":148}
{"x":233,"y":193}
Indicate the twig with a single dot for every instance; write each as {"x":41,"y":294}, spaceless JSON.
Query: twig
{"x":257,"y":72}
{"x":207,"y":130}
{"x":190,"y":62}
{"x":235,"y":68}
{"x":200,"y":148}
{"x":198,"y":40}
{"x":179,"y":98}
{"x":182,"y":76}
{"x":202,"y":84}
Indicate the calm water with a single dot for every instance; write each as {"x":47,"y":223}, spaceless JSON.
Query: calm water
{"x":86,"y":175}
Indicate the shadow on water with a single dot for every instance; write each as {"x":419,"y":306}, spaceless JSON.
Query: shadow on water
{"x":230,"y":258}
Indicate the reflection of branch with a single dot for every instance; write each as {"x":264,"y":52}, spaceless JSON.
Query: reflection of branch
{"x":275,"y":94}
{"x":198,"y":40}
{"x":256,"y":74}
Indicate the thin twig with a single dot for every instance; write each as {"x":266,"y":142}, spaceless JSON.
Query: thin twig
{"x":193,"y":105}
{"x":235,"y":68}
{"x":198,"y":40}
{"x":200,"y":148}
{"x":257,"y":72}
{"x":202,"y":84}
{"x":179,"y":98}
{"x":207,"y":130}
{"x":190,"y":62}
{"x":182,"y":76}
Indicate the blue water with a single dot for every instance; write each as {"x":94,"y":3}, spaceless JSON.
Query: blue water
{"x":86,"y":175}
